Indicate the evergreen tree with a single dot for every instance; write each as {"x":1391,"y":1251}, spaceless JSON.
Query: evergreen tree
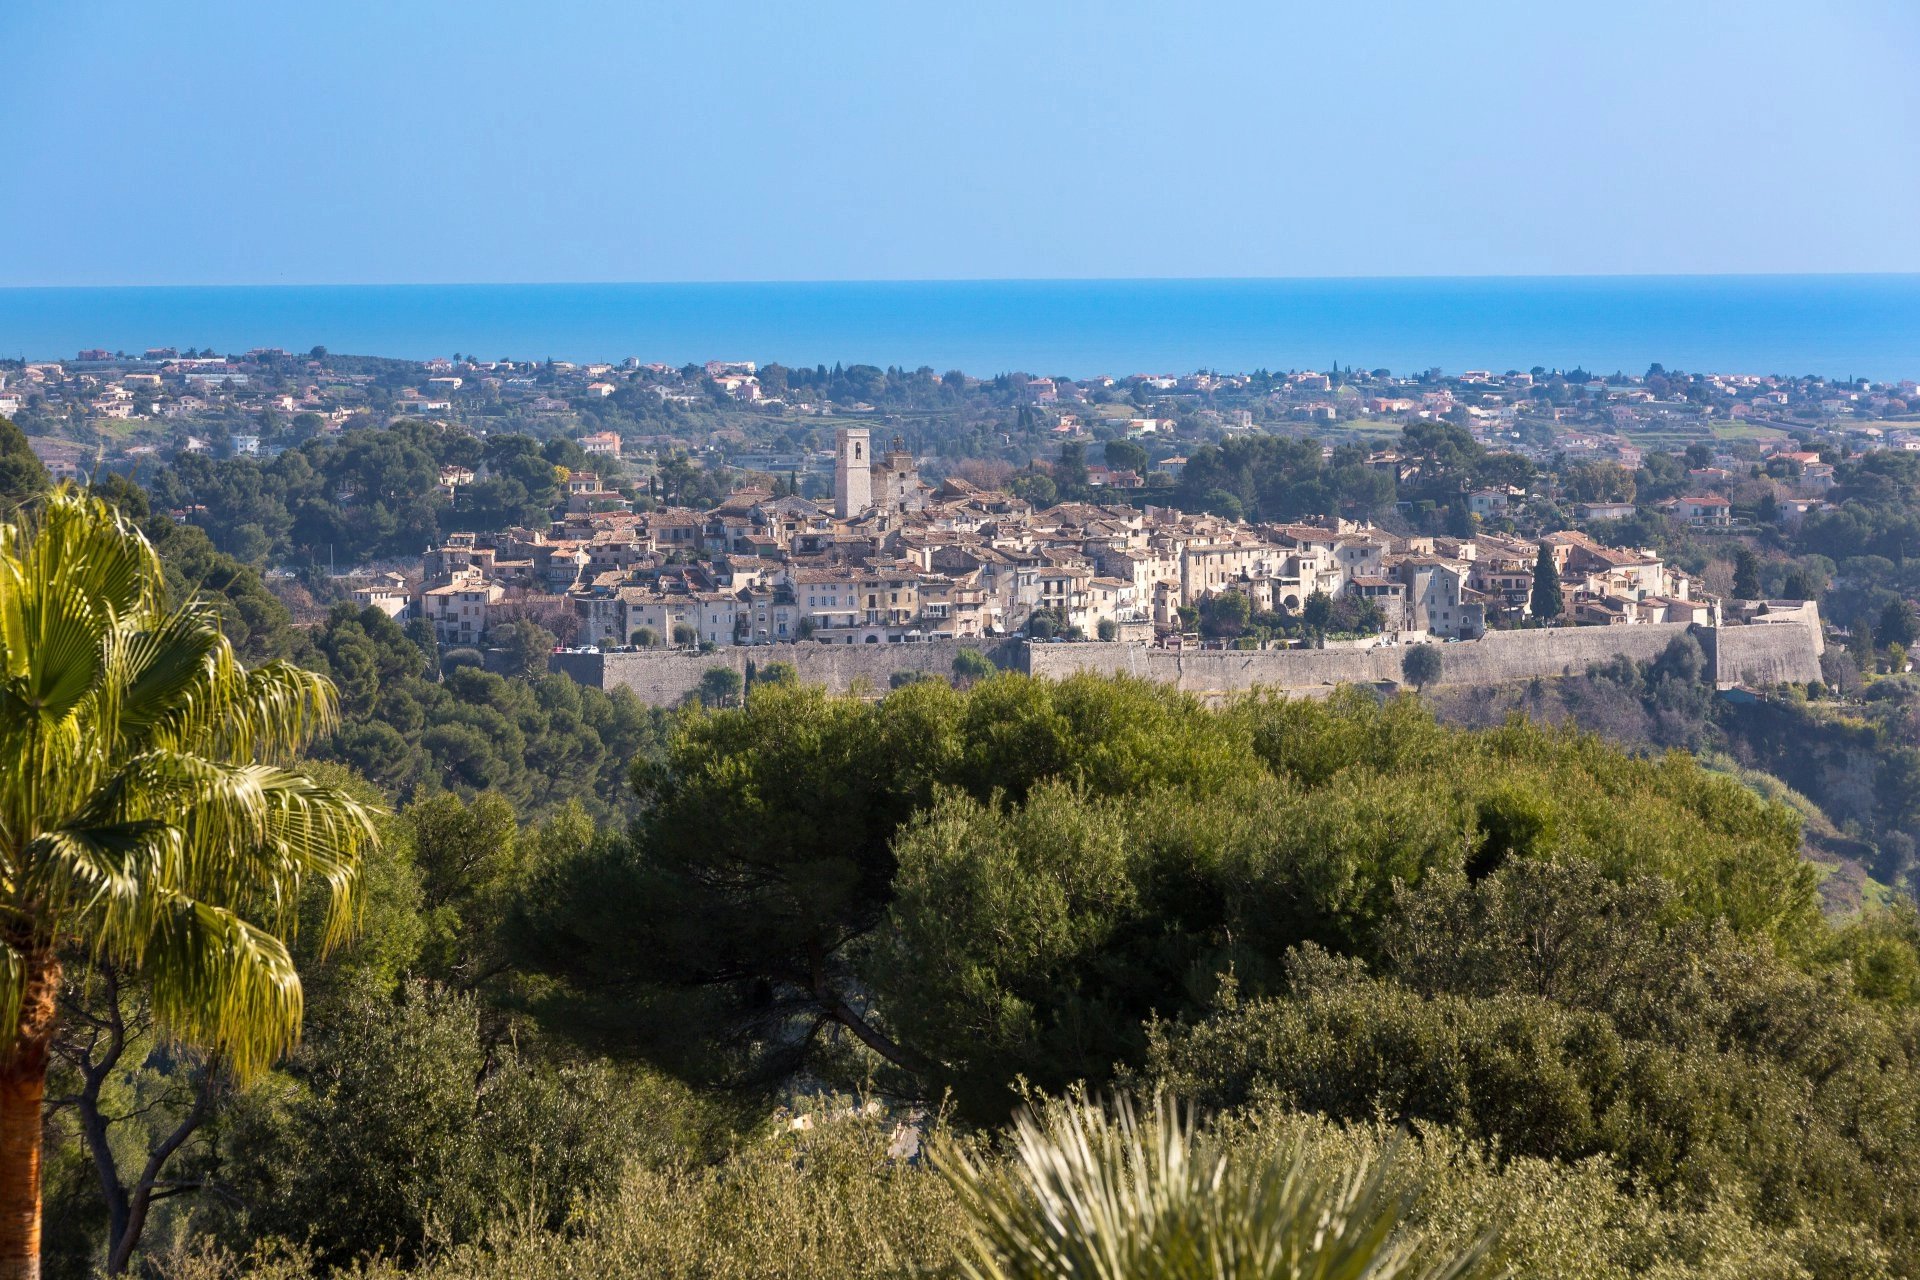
{"x":21,"y":475}
{"x":1746,"y":574}
{"x":1897,"y":624}
{"x":1547,"y":601}
{"x":1861,"y":642}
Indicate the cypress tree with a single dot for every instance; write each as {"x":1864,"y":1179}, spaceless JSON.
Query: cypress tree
{"x":1547,"y":601}
{"x":1746,"y":575}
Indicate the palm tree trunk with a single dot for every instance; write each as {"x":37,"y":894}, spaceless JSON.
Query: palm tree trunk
{"x":23,"y":1087}
{"x":21,"y":1090}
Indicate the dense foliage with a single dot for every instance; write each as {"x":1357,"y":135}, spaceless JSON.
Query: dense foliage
{"x":21,"y":475}
{"x":1560,"y":1014}
{"x":418,"y":1108}
{"x":366,"y":492}
{"x":538,"y":740}
{"x":1007,"y":882}
{"x":837,"y":1199}
{"x":1596,"y":987}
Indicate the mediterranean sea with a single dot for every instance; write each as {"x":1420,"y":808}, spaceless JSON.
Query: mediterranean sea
{"x":1839,"y":326}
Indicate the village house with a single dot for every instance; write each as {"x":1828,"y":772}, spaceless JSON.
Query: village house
{"x":460,"y":609}
{"x":1706,"y":509}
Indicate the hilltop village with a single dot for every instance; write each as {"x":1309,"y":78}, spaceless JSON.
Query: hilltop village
{"x":895,"y":560}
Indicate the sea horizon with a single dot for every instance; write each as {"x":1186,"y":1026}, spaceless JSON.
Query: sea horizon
{"x":1841,"y":326}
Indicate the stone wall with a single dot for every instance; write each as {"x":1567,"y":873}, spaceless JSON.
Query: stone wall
{"x":1496,"y":657}
{"x":1767,"y":653}
{"x":665,"y":677}
{"x":1759,"y":655}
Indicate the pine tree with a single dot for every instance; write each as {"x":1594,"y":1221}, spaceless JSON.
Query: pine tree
{"x":1547,"y":601}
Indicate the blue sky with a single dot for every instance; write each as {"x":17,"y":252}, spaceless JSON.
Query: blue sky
{"x":179,"y":142}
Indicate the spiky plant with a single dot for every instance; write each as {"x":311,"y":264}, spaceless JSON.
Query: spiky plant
{"x":147,"y":816}
{"x":1097,"y":1195}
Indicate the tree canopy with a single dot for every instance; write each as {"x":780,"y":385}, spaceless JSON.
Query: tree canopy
{"x":1010,"y":880}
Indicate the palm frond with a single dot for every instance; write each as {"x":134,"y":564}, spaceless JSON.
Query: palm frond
{"x":59,"y":626}
{"x":318,"y":834}
{"x":222,"y":983}
{"x":1096,"y":1196}
{"x":170,"y":678}
{"x":252,"y":837}
{"x":92,"y":547}
{"x":280,"y":710}
{"x":104,"y":875}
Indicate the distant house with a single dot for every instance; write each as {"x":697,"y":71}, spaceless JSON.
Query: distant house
{"x":600,"y":442}
{"x":1794,"y":510}
{"x":1706,"y":509}
{"x":1603,"y":510}
{"x":387,"y":593}
{"x":459,"y":610}
{"x":1100,"y":477}
{"x":1488,"y":503}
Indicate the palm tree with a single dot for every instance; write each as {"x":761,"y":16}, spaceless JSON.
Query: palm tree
{"x":145,"y":818}
{"x":1125,"y":1197}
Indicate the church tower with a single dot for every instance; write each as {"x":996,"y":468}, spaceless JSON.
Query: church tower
{"x":852,"y":473}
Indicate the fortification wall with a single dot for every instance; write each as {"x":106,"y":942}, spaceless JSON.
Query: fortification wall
{"x":1494,"y":658}
{"x":666,"y":677}
{"x":1767,"y":653}
{"x":1757,"y":655}
{"x":1218,"y":670}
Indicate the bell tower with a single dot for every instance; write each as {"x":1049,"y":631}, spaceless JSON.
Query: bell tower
{"x":852,"y":473}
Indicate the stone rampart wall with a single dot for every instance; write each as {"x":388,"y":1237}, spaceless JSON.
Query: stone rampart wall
{"x":1767,"y":653}
{"x":1757,"y":655}
{"x":665,"y":677}
{"x":1498,"y":657}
